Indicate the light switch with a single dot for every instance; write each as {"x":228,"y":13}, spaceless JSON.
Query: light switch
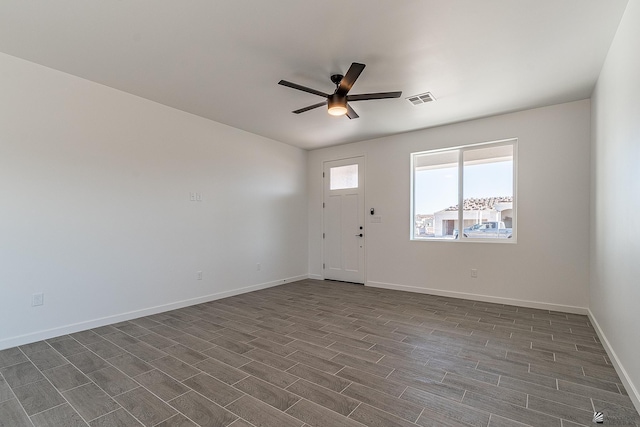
{"x":37,"y":299}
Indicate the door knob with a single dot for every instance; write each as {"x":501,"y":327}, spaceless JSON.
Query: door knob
{"x":359,"y":235}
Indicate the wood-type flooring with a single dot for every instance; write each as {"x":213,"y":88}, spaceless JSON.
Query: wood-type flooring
{"x":320,"y":353}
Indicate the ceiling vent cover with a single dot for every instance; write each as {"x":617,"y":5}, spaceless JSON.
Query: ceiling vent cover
{"x":423,"y":98}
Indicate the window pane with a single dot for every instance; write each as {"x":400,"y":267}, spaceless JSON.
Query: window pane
{"x":488,"y":192}
{"x":435,"y":195}
{"x":343,"y":177}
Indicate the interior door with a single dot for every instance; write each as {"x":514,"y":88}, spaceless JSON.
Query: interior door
{"x":343,"y":214}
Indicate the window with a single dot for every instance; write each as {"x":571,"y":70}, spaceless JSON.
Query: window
{"x":343,"y":177}
{"x":480,"y":178}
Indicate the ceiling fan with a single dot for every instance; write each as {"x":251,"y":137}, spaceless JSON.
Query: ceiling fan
{"x":337,"y":101}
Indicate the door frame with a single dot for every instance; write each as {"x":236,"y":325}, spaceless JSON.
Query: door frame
{"x":364,"y":204}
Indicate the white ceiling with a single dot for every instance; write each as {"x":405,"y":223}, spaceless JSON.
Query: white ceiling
{"x":222,"y":59}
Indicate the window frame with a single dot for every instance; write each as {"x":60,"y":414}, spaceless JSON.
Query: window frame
{"x":460,"y":164}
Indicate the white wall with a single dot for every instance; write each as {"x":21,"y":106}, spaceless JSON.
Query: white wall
{"x":549,"y":265}
{"x":615,"y":171}
{"x":95,"y":210}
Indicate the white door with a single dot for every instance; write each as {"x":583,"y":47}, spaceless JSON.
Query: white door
{"x":344,"y":232}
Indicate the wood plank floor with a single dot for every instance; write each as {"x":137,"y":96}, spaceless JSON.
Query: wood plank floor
{"x":320,"y":353}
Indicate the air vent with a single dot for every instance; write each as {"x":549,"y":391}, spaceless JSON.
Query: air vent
{"x":423,"y":98}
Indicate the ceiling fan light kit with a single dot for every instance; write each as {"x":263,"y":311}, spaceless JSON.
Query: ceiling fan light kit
{"x":337,"y":102}
{"x":337,"y":105}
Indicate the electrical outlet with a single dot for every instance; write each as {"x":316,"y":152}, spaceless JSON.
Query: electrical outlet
{"x":37,"y":299}
{"x":474,"y":273}
{"x":199,"y":275}
{"x":258,"y":267}
{"x":198,"y":197}
{"x":192,"y":197}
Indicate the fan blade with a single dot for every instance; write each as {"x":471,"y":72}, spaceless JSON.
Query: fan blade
{"x":350,"y":78}
{"x":380,"y":95}
{"x":310,"y":107}
{"x":351,"y":113}
{"x":302,"y":88}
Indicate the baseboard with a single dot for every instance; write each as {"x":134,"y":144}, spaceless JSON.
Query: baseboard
{"x":483,"y":298}
{"x":634,"y":395}
{"x":95,"y":323}
{"x":316,"y":277}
